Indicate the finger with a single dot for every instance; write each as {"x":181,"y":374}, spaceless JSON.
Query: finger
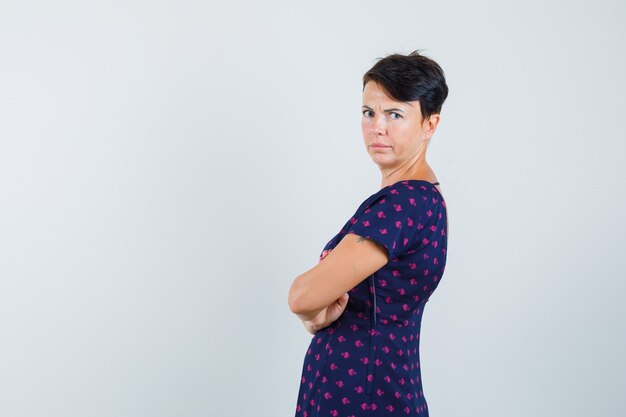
{"x":343,"y":301}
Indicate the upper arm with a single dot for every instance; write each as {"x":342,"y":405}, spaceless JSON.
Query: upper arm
{"x":380,"y":233}
{"x":353,"y":259}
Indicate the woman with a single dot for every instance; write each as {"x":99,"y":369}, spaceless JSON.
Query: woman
{"x":364,"y":302}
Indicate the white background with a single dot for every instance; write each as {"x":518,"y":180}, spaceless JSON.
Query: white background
{"x":168,"y":168}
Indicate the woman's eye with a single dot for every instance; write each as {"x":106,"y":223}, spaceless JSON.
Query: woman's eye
{"x":367,"y":113}
{"x":395,"y":115}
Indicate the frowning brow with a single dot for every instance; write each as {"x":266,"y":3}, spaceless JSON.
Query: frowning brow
{"x":386,"y":110}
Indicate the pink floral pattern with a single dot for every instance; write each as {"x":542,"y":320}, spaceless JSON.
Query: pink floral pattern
{"x":367,"y":362}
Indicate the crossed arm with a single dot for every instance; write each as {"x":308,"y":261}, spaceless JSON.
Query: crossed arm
{"x":319,"y":295}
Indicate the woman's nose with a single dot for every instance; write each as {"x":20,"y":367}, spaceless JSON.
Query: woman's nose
{"x":378,"y":126}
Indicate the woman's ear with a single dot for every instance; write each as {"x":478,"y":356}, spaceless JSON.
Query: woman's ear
{"x":430,"y":125}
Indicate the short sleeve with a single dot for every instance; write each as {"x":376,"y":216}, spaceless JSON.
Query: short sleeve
{"x":390,"y":220}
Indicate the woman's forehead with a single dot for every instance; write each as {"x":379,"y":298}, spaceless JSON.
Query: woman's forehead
{"x":375,"y":94}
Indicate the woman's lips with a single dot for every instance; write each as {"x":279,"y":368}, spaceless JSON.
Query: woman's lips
{"x":379,"y":145}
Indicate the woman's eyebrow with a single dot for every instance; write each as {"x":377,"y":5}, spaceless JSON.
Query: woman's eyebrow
{"x":386,"y":110}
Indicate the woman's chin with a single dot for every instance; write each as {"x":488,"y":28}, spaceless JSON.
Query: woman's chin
{"x":381,"y":160}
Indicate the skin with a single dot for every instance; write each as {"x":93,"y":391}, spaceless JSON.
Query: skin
{"x":320,"y":295}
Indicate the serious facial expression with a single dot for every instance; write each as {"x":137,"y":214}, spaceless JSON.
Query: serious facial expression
{"x":392,"y":130}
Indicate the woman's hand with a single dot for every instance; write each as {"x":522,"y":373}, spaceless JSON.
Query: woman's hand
{"x":328,"y":315}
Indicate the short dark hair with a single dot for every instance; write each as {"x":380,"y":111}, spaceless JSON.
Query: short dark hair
{"x":409,"y":78}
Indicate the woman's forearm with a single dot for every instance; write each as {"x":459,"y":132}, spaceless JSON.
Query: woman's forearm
{"x":309,"y":315}
{"x":310,"y":327}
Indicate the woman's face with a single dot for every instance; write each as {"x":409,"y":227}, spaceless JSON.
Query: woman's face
{"x":392,"y":130}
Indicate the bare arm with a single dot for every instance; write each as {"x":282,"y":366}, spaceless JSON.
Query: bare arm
{"x":322,"y":288}
{"x":328,"y":315}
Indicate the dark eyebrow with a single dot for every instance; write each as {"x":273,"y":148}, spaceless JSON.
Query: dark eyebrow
{"x":386,"y":110}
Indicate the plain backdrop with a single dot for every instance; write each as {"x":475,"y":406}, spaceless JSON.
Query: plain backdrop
{"x":167,"y":168}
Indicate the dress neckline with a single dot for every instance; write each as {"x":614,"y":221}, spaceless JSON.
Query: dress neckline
{"x":411,"y":180}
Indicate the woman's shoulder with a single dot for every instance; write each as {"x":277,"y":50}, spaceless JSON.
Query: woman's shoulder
{"x":409,"y":190}
{"x":408,"y":196}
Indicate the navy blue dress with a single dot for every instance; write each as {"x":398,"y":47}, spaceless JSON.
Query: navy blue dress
{"x":366,"y":363}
